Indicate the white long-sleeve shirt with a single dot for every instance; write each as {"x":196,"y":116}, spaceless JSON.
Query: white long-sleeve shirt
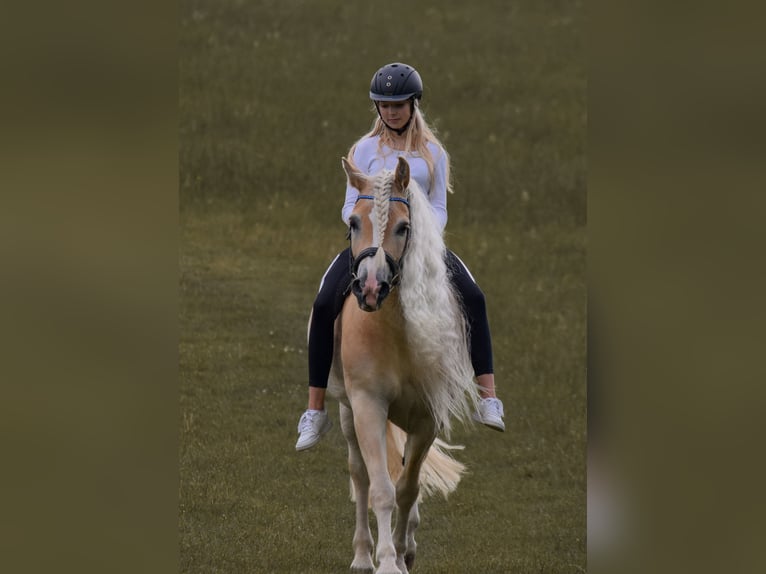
{"x":368,"y":159}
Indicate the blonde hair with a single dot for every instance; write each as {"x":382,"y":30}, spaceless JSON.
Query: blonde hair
{"x":417,"y":137}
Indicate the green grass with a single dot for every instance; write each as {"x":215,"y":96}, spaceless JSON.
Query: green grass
{"x":272,"y":94}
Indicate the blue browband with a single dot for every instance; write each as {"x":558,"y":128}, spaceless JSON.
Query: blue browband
{"x":400,"y":199}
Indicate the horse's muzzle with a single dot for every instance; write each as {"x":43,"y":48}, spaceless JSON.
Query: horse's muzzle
{"x":370,"y":298}
{"x":369,"y":289}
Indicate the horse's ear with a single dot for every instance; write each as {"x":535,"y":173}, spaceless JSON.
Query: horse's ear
{"x":355,"y":178}
{"x":402,"y":178}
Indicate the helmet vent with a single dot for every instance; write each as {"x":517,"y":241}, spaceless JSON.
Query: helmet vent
{"x":396,"y":82}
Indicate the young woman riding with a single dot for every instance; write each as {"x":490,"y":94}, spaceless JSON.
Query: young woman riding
{"x":399,"y":130}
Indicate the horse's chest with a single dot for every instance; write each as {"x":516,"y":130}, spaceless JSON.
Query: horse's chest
{"x":380,"y":334}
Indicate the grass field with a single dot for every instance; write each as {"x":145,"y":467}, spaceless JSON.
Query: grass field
{"x":272,"y":94}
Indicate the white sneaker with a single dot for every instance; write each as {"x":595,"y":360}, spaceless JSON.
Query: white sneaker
{"x":312,"y":426}
{"x":491,"y":414}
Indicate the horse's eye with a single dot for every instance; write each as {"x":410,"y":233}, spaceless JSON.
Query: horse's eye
{"x":353,"y":227}
{"x":403,"y":229}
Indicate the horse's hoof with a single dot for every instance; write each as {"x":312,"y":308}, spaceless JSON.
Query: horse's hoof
{"x":409,"y":560}
{"x":362,"y":569}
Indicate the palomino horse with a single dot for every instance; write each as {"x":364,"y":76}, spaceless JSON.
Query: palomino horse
{"x":401,"y":370}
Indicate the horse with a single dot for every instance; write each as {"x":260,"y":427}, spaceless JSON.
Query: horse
{"x":401,"y":370}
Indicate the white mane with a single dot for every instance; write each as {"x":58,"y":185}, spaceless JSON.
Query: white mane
{"x":435,"y":324}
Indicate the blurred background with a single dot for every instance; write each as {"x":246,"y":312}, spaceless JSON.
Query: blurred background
{"x":162,"y":244}
{"x":271,"y":96}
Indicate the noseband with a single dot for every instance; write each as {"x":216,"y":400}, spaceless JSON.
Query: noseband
{"x":393,"y":265}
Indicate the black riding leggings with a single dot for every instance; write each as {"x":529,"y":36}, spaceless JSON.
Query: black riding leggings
{"x":332,"y":293}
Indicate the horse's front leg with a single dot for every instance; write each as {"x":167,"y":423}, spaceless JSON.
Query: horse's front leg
{"x":407,"y":492}
{"x":370,"y":415}
{"x":362,"y":542}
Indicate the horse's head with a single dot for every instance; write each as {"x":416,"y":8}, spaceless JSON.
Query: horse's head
{"x":379,"y":229}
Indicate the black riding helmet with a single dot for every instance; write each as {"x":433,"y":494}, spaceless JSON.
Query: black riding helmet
{"x":396,"y":82}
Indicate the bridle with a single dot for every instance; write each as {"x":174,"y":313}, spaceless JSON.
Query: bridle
{"x":394,"y":265}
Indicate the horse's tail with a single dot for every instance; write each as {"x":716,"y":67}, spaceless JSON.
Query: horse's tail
{"x":440,"y":472}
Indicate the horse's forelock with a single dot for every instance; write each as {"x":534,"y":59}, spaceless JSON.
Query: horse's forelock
{"x":382,"y":187}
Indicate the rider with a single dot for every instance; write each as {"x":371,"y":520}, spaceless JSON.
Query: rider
{"x":399,"y":130}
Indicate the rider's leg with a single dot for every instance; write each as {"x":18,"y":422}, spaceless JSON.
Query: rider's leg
{"x":316,"y":398}
{"x":487,"y":384}
{"x":329,"y":300}
{"x":474,"y":305}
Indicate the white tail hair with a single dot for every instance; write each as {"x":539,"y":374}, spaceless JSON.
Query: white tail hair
{"x":440,"y":473}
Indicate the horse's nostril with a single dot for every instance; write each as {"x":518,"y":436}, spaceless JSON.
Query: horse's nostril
{"x":385,"y":288}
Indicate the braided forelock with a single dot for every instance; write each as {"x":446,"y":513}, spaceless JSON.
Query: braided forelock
{"x":382,"y":193}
